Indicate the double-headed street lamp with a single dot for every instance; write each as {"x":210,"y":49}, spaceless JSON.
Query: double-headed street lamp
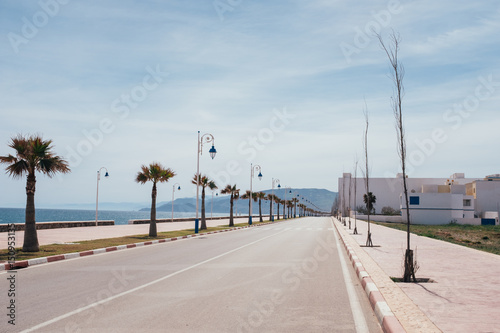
{"x":273,"y":181}
{"x":252,"y":169}
{"x":207,"y":138}
{"x":97,"y":194}
{"x":173,"y":190}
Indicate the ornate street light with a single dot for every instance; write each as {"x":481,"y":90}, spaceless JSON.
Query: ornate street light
{"x":173,"y":190}
{"x":252,"y":169}
{"x":97,"y":194}
{"x":207,"y":138}
{"x":273,"y":181}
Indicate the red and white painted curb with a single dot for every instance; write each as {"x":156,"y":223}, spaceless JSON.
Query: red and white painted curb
{"x":387,"y":319}
{"x":44,"y":260}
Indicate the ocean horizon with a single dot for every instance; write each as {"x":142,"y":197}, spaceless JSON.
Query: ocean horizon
{"x":17,"y":215}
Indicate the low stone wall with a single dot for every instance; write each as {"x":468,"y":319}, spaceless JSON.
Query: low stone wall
{"x":58,"y":224}
{"x":186,"y":219}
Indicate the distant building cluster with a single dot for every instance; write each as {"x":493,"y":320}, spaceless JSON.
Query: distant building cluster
{"x":431,"y":200}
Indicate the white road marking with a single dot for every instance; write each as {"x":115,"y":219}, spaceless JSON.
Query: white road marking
{"x":71,"y":313}
{"x":357,"y":312}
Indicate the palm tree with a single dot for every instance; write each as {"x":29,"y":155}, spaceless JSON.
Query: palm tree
{"x":235,"y":193}
{"x":32,"y":154}
{"x":204,"y":182}
{"x":271,"y":197}
{"x":154,"y":172}
{"x":247,"y":196}
{"x":369,"y":200}
{"x":290,"y":206}
{"x":261,"y":196}
{"x":295,"y":200}
{"x":278,"y":201}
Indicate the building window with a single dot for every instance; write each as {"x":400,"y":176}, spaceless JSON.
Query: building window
{"x":414,"y":200}
{"x":467,"y":202}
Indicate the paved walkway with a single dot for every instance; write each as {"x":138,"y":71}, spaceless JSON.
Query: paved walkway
{"x":68,"y":235}
{"x":465,"y":296}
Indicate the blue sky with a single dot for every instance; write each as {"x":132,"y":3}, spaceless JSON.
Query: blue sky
{"x":282,"y":85}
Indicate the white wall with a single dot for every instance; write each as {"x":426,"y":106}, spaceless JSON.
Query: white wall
{"x":487,"y":196}
{"x":387,"y":190}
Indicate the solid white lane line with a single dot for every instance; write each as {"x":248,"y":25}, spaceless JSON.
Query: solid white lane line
{"x":71,"y":313}
{"x":357,"y":311}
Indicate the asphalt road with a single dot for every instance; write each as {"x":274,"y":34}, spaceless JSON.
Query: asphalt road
{"x":284,"y":277}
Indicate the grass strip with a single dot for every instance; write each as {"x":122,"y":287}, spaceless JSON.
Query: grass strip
{"x":80,"y":246}
{"x":480,"y":237}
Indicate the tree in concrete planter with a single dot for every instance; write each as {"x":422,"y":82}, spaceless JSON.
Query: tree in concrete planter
{"x":32,"y":154}
{"x":397,"y":69}
{"x":366,"y":173}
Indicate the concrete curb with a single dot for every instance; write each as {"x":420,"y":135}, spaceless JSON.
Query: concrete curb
{"x":385,"y":316}
{"x":45,"y":260}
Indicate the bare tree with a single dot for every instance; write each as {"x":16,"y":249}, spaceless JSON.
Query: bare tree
{"x":397,"y":74}
{"x":350,"y":187}
{"x":343,"y":198}
{"x":355,"y":183}
{"x":367,"y":175}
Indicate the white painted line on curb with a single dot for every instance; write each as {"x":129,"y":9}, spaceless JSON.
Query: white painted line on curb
{"x":357,"y":312}
{"x":37,"y":261}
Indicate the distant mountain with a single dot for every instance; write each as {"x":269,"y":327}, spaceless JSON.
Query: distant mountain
{"x":320,"y":199}
{"x":120,"y":206}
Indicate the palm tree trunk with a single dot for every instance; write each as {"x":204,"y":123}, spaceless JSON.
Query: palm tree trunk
{"x":231,"y":220}
{"x":278,"y":210}
{"x":271,"y":210}
{"x":203,"y":225}
{"x":260,"y":210}
{"x":30,"y":236}
{"x":152,"y":220}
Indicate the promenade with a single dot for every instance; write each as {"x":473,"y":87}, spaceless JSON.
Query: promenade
{"x":465,"y":294}
{"x":70,"y":235}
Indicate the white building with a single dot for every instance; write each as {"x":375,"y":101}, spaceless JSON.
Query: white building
{"x":440,"y":204}
{"x":432,"y":200}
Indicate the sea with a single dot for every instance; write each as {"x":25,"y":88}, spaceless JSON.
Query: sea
{"x":17,"y":215}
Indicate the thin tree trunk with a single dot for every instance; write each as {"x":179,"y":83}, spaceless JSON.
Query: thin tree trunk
{"x":260,"y":210}
{"x":203,"y":225}
{"x":30,"y":235}
{"x":152,"y":220}
{"x":271,"y":209}
{"x":278,"y":210}
{"x":231,"y":220}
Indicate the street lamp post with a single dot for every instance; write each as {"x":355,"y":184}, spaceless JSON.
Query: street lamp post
{"x":273,"y":181}
{"x":252,"y":169}
{"x":285,"y":206}
{"x":173,"y":190}
{"x":97,"y":193}
{"x":207,"y":138}
{"x":212,"y":206}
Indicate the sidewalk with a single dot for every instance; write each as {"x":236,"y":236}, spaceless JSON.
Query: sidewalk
{"x":465,"y":296}
{"x":69,"y":235}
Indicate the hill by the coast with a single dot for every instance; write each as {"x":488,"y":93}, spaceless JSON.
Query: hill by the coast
{"x":321,"y":200}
